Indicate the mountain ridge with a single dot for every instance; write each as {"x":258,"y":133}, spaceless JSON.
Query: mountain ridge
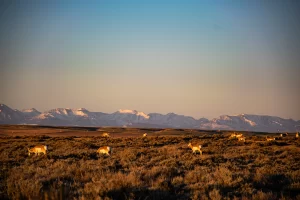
{"x":134,"y":118}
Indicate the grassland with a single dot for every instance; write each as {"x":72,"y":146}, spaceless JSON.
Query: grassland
{"x":160,"y":166}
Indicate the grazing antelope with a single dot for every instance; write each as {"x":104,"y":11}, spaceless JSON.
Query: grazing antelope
{"x":297,"y":135}
{"x":270,"y":139}
{"x":106,"y":135}
{"x":145,"y":135}
{"x":104,"y":150}
{"x":284,"y":134}
{"x":243,"y":139}
{"x":234,"y":135}
{"x":195,"y":148}
{"x":38,"y":149}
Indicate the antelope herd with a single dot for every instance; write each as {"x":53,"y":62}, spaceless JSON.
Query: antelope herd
{"x":107,"y":150}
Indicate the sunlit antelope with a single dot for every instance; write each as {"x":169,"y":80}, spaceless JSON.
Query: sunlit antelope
{"x":105,"y":150}
{"x":297,"y":135}
{"x":145,"y":135}
{"x":270,"y":139}
{"x":235,"y":135}
{"x":106,"y":135}
{"x":243,"y":139}
{"x":195,"y":148}
{"x":38,"y":149}
{"x":284,"y":134}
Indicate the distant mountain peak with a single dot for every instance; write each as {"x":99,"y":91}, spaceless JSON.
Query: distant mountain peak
{"x":81,"y":109}
{"x":134,"y":112}
{"x":3,"y":105}
{"x":30,"y":110}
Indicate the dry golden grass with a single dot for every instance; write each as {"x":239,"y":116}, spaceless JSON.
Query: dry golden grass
{"x":155,"y":167}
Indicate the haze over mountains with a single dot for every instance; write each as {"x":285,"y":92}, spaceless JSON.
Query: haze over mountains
{"x":133,"y":118}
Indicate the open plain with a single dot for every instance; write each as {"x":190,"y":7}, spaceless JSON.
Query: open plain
{"x":159,"y":166}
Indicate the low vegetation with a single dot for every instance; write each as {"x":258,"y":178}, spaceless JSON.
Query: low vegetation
{"x":153,"y":167}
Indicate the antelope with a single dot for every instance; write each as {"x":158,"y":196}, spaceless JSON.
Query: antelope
{"x":242,"y":139}
{"x":270,"y":139}
{"x":297,"y":135}
{"x":145,"y":135}
{"x":283,"y":134}
{"x":195,"y":148}
{"x":234,"y":135}
{"x":106,"y":135}
{"x":38,"y":149}
{"x":104,"y":150}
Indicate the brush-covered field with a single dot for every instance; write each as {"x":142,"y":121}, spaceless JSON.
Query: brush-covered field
{"x":160,"y":166}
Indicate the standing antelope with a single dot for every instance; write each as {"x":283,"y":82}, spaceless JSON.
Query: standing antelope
{"x":195,"y":148}
{"x":234,"y":135}
{"x":145,"y":135}
{"x":38,"y":149}
{"x":297,"y":135}
{"x":105,"y":150}
{"x":284,"y":134}
{"x":106,"y":135}
{"x":270,"y":139}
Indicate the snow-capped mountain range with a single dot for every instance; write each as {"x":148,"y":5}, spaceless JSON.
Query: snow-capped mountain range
{"x":133,"y":118}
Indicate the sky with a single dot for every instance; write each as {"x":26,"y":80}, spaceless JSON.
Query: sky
{"x":197,"y":58}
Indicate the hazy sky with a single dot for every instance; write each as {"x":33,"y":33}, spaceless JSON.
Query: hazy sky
{"x":197,"y":58}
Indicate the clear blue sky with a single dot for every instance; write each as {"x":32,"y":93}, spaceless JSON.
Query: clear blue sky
{"x":198,"y":58}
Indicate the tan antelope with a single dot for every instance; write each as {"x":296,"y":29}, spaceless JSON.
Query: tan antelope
{"x":105,"y":150}
{"x":38,"y":149}
{"x":284,"y":134}
{"x":145,"y":135}
{"x":232,"y":135}
{"x":235,"y":135}
{"x":243,"y":139}
{"x":195,"y":148}
{"x":297,"y":135}
{"x":106,"y":135}
{"x":270,"y":139}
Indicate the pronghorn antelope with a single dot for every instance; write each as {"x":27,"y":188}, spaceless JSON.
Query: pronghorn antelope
{"x":38,"y":149}
{"x":234,"y":135}
{"x":105,"y":135}
{"x":145,"y":135}
{"x":195,"y":148}
{"x":104,"y":150}
{"x":270,"y":139}
{"x":242,"y":139}
{"x":284,"y":134}
{"x":297,"y":135}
